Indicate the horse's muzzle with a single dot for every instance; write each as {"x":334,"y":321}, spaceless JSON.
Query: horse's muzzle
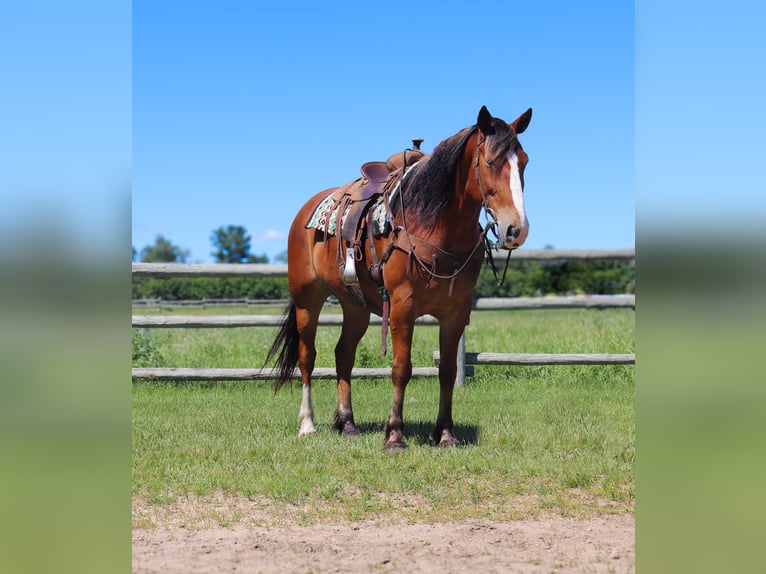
{"x":514,"y":236}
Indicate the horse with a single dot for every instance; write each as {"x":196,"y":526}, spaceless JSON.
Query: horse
{"x":426,"y":260}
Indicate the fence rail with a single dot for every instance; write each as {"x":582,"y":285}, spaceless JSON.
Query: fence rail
{"x":209,"y":270}
{"x":465,"y":360}
{"x":548,"y":302}
{"x":230,"y":321}
{"x":280,"y":270}
{"x":241,"y":302}
{"x":544,"y":359}
{"x":184,"y":374}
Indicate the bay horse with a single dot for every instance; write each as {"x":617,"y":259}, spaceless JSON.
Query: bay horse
{"x":426,"y":261}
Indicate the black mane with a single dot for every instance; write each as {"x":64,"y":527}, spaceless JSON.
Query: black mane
{"x":428,"y":189}
{"x":431,"y":184}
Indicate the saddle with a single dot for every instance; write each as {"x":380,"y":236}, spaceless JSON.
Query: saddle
{"x":355,"y":198}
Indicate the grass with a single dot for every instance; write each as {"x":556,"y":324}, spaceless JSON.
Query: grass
{"x":551,"y":331}
{"x":537,"y":439}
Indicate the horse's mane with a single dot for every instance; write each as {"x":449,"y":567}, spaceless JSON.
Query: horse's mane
{"x":430,"y":186}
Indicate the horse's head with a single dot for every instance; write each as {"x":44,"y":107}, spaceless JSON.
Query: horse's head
{"x":499,"y":163}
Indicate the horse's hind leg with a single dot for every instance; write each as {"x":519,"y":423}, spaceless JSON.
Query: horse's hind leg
{"x":307,"y":326}
{"x":355,"y":323}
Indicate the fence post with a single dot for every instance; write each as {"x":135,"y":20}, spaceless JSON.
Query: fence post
{"x":460,"y":375}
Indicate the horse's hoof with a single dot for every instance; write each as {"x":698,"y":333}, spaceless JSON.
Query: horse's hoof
{"x":307,"y":428}
{"x":445,"y":438}
{"x":349,"y":429}
{"x":394,"y":446}
{"x":394,"y":440}
{"x":448,"y":442}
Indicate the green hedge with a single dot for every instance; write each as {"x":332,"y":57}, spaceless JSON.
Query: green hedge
{"x":524,"y":279}
{"x":176,"y":288}
{"x":558,"y":277}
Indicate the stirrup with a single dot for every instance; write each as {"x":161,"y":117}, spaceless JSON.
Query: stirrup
{"x":349,"y":270}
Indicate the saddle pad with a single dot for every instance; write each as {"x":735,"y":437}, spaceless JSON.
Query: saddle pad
{"x":325,"y":216}
{"x":380,"y":218}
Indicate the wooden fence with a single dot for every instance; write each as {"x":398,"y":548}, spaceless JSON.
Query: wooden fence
{"x":465,"y":360}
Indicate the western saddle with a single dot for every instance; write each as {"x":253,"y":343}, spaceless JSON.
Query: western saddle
{"x":353,"y":203}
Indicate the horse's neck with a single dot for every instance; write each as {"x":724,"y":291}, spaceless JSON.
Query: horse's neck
{"x":458,"y":227}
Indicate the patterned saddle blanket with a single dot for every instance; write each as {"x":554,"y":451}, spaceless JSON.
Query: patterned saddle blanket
{"x":325,"y":216}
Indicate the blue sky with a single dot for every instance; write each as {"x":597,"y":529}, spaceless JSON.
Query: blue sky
{"x":244,"y":110}
{"x":203,"y":114}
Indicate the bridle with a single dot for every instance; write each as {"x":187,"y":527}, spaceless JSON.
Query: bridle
{"x":492,"y":223}
{"x":484,"y":240}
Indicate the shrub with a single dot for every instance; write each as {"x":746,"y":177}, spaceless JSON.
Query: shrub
{"x":146,"y":348}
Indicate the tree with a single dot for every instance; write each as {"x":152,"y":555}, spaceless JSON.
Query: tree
{"x":163,"y":251}
{"x":281,"y":257}
{"x":232,"y":245}
{"x":262,"y":258}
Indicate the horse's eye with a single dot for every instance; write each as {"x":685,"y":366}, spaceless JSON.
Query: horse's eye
{"x":489,"y":162}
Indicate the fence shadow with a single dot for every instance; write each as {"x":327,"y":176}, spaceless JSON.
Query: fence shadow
{"x":419,"y":432}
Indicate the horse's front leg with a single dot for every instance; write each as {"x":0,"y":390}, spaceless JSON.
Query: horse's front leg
{"x":402,"y":323}
{"x":449,"y":338}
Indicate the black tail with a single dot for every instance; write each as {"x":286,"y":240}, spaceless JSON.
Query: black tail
{"x":286,"y":344}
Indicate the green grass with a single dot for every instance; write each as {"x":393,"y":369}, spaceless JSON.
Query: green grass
{"x":537,"y":439}
{"x":555,"y":331}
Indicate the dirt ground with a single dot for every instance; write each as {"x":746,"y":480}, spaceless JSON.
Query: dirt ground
{"x":220,"y":539}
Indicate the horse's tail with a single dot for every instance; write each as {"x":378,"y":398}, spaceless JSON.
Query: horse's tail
{"x":285,"y":347}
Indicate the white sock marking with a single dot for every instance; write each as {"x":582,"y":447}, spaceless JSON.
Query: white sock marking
{"x":306,"y":414}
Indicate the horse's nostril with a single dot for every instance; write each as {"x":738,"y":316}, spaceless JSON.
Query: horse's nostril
{"x":513,"y":232}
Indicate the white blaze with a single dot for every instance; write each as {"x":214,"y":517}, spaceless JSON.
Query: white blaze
{"x":517,"y":191}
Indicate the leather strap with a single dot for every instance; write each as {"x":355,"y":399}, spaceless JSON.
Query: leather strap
{"x":376,"y":274}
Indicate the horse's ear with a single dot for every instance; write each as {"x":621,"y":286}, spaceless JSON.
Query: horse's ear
{"x":484,"y":121}
{"x":521,"y":123}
